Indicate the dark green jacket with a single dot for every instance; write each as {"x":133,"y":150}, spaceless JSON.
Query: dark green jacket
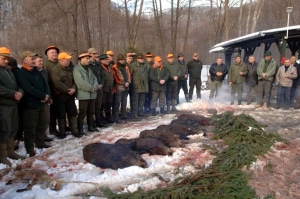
{"x":183,"y":70}
{"x":234,"y":72}
{"x":157,"y":74}
{"x":195,"y":68}
{"x":97,"y":70}
{"x":109,"y":80}
{"x":49,"y":65}
{"x":34,"y":86}
{"x":173,"y":69}
{"x":62,"y":79}
{"x":8,"y":87}
{"x":47,"y":78}
{"x":139,"y":77}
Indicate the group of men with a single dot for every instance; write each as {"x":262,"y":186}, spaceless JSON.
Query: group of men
{"x":100,"y":85}
{"x":258,"y":78}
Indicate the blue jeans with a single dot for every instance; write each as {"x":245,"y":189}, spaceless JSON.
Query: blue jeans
{"x":283,"y":96}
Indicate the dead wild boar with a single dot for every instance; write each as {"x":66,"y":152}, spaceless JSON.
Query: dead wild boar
{"x":170,"y":140}
{"x":112,"y":156}
{"x":203,"y":121}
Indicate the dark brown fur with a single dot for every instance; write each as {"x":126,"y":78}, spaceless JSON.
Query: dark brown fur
{"x":203,"y":121}
{"x":112,"y":156}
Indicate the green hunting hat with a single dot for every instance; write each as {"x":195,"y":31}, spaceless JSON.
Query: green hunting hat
{"x":103,"y":56}
{"x":268,"y":53}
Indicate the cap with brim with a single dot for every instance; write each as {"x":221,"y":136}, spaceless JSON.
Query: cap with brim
{"x":28,"y":54}
{"x":148,"y":54}
{"x":64,"y":55}
{"x":5,"y":52}
{"x":157,"y":58}
{"x":120,"y":57}
{"x":13,"y":62}
{"x":51,"y":47}
{"x":170,"y":56}
{"x":92,"y":50}
{"x":180,"y":55}
{"x":109,"y":52}
{"x":84,"y":55}
{"x":140,"y":56}
{"x":103,"y":56}
{"x":195,"y":55}
{"x":129,"y":54}
{"x":268,"y":53}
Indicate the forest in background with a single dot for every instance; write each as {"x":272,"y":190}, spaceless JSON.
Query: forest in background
{"x":138,"y":25}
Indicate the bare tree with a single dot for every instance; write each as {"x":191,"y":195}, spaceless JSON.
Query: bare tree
{"x":256,"y":14}
{"x":187,"y":27}
{"x":248,"y":16}
{"x":226,"y":22}
{"x":240,"y":18}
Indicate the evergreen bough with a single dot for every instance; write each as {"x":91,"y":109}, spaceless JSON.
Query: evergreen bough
{"x":245,"y":139}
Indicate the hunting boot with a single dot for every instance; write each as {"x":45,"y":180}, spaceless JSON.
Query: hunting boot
{"x":232,"y":102}
{"x":90,"y":123}
{"x":11,"y":152}
{"x":80,"y":127}
{"x":187,"y":98}
{"x":240,"y":102}
{"x":116,"y":117}
{"x":109,"y":117}
{"x":168,"y":106}
{"x":153,"y":112}
{"x":62,"y":128}
{"x":174,"y":105}
{"x":3,"y":154}
{"x":162,"y":111}
{"x":74,"y":128}
{"x":177,"y":99}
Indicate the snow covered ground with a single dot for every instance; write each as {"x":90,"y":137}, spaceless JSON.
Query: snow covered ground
{"x":64,"y":160}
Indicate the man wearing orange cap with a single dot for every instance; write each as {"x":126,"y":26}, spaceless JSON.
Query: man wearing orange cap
{"x":64,"y":94}
{"x":87,"y":86}
{"x":94,"y":65}
{"x":52,"y":53}
{"x":110,"y":55}
{"x":10,"y":94}
{"x":159,"y":76}
{"x":172,"y":84}
{"x":35,"y":99}
{"x":195,"y":67}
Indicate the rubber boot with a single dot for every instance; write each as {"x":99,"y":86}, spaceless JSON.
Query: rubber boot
{"x":168,"y":106}
{"x":11,"y":150}
{"x":74,"y":128}
{"x":153,"y":112}
{"x":80,"y":127}
{"x":187,"y":98}
{"x":174,"y":105}
{"x":3,"y":154}
{"x":109,"y":117}
{"x":62,"y":128}
{"x":162,"y":111}
{"x":177,"y":99}
{"x":240,"y":102}
{"x":90,"y":123}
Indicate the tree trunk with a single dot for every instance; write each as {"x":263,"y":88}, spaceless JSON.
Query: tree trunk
{"x":187,"y":27}
{"x":172,"y":25}
{"x":101,"y":42}
{"x":240,"y":18}
{"x":86,"y":25}
{"x":226,"y":24}
{"x":258,"y":7}
{"x":249,"y":16}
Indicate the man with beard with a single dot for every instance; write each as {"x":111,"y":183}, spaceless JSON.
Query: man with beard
{"x":64,"y":94}
{"x":266,"y":71}
{"x":195,"y":67}
{"x":108,"y":87}
{"x":159,"y":76}
{"x":122,"y":80}
{"x":172,"y":83}
{"x":35,"y":99}
{"x":87,"y":85}
{"x":236,"y":78}
{"x":139,"y":75}
{"x":94,"y":65}
{"x":182,"y":79}
{"x":52,"y":53}
{"x":10,"y":94}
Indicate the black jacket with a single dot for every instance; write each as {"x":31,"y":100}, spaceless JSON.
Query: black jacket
{"x":194,"y":68}
{"x":252,"y":77}
{"x":214,"y":69}
{"x":34,"y":86}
